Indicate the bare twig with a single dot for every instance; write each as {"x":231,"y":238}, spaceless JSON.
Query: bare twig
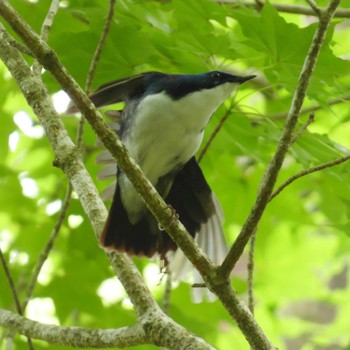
{"x":167,"y":292}
{"x":271,"y":173}
{"x":48,"y":21}
{"x":14,"y":293}
{"x":315,"y":8}
{"x":307,"y":172}
{"x":45,"y":29}
{"x":21,"y":47}
{"x":310,"y":120}
{"x":11,"y":283}
{"x":49,"y":245}
{"x":100,"y":45}
{"x":212,"y":136}
{"x":295,"y":9}
{"x":311,"y":109}
{"x":92,"y":70}
{"x":251,"y":273}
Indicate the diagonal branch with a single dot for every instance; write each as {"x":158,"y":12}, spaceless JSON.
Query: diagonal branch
{"x":14,"y":293}
{"x":47,"y":249}
{"x":271,"y":173}
{"x":287,"y":8}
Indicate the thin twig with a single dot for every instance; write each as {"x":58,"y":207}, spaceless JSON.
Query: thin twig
{"x":92,"y":70}
{"x":315,"y":8}
{"x":270,"y":176}
{"x":212,"y":136}
{"x":251,"y":273}
{"x":11,"y":283}
{"x":21,"y":47}
{"x":307,"y":172}
{"x":45,"y":29}
{"x":48,"y":21}
{"x":287,"y":8}
{"x":100,"y":45}
{"x":167,"y":292}
{"x":311,"y":109}
{"x":309,"y":121}
{"x":49,"y":245}
{"x":14,"y":294}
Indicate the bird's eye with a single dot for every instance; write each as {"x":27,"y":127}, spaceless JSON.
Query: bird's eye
{"x":216,"y":75}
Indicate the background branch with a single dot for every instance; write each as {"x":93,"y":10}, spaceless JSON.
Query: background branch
{"x":271,"y":173}
{"x":14,"y":294}
{"x":295,"y":9}
{"x":47,"y":249}
{"x":308,"y":172}
{"x":311,"y":109}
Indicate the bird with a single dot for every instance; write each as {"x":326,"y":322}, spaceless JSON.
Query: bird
{"x":162,"y":126}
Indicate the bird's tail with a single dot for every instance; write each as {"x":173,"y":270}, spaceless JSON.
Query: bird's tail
{"x":144,"y":238}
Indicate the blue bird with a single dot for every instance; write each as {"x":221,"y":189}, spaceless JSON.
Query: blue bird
{"x":162,"y":127}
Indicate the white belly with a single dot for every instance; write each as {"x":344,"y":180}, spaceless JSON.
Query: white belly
{"x":165,"y":135}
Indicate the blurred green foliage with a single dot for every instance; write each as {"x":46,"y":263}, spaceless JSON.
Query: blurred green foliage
{"x":303,"y":239}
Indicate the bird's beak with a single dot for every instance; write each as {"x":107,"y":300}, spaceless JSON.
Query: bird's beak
{"x":241,"y":80}
{"x":248,"y":77}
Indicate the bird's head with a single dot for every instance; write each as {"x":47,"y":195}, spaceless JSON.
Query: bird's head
{"x":178,"y":86}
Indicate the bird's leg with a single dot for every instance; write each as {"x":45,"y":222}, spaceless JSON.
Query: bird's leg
{"x":174,"y":216}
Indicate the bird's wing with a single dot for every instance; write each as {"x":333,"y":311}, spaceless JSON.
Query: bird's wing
{"x":210,"y":239}
{"x":115,"y":91}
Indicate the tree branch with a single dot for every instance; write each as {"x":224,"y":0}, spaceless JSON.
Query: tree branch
{"x":11,"y":283}
{"x":271,"y":173}
{"x":295,"y":9}
{"x":307,"y":172}
{"x":14,"y":294}
{"x":315,"y":8}
{"x":100,"y":45}
{"x":74,"y":336}
{"x":311,"y":109}
{"x":298,"y":134}
{"x":213,"y":135}
{"x":47,"y":249}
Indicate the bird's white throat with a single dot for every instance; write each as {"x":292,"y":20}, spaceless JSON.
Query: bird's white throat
{"x":165,"y":134}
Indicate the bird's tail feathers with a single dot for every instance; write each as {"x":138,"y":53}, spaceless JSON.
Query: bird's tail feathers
{"x":135,"y":239}
{"x":210,"y":239}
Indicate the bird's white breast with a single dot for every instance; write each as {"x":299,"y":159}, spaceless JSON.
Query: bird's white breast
{"x":165,"y":134}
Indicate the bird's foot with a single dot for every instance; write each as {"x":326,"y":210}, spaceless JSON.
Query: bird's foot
{"x":174,"y":216}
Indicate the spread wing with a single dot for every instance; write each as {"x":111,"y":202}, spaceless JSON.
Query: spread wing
{"x":116,"y":91}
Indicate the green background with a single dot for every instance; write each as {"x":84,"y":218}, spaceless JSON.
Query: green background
{"x":302,"y":247}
